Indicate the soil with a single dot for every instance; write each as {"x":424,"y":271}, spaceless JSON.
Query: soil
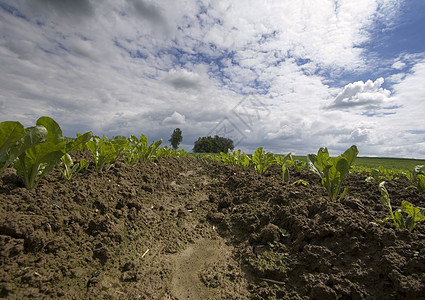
{"x":186,"y":228}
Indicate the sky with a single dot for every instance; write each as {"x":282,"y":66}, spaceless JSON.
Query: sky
{"x":290,"y":76}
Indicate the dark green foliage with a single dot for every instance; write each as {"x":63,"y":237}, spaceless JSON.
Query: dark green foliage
{"x":214,"y":144}
{"x":176,"y":138}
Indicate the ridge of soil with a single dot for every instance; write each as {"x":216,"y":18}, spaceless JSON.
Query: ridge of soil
{"x":186,"y":228}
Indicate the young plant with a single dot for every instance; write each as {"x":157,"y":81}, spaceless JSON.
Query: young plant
{"x":332,"y":170}
{"x":285,"y":162}
{"x":35,"y":162}
{"x":235,"y":158}
{"x":419,"y":177}
{"x":71,"y":168}
{"x":15,"y":140}
{"x":262,"y":160}
{"x":414,"y":214}
{"x":102,"y":150}
{"x":148,"y":153}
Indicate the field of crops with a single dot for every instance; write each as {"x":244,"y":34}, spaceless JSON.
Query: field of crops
{"x":122,"y":218}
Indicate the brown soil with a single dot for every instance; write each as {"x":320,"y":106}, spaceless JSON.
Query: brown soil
{"x":195,"y":229}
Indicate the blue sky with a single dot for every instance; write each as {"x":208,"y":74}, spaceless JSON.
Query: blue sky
{"x":291,"y":76}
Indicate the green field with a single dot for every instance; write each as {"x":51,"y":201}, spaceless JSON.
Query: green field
{"x":370,"y":162}
{"x":386,"y":162}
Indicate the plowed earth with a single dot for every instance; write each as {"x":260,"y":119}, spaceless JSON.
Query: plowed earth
{"x":186,"y":228}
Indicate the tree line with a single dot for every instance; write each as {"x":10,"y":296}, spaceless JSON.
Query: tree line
{"x":206,"y":144}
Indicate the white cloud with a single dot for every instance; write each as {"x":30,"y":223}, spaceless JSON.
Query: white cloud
{"x":368,"y":95}
{"x":117,"y":67}
{"x":175,"y":119}
{"x":398,"y":65}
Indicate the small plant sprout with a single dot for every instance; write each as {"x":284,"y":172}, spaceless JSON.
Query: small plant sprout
{"x":262,"y":160}
{"x":70,"y":168}
{"x":414,"y":214}
{"x":332,"y":170}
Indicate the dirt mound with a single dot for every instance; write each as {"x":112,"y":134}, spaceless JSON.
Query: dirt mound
{"x":195,"y":229}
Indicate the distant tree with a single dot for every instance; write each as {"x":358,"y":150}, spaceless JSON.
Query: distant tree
{"x":176,"y":138}
{"x":214,"y":144}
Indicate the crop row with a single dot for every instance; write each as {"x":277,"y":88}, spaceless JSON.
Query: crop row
{"x":34,"y":151}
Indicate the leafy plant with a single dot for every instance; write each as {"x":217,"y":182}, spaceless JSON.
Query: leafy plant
{"x":418,"y":176}
{"x":71,"y":168}
{"x":103,"y":151}
{"x":15,"y":140}
{"x":148,"y":153}
{"x":139,"y":150}
{"x":285,"y":162}
{"x":33,"y":164}
{"x":332,"y":170}
{"x":235,"y":158}
{"x":262,"y":160}
{"x":414,"y":214}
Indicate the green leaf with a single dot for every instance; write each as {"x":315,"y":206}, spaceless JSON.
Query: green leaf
{"x":409,"y":223}
{"x":398,"y":219}
{"x":33,"y":136}
{"x":67,"y":160}
{"x":385,"y":198}
{"x":35,"y":162}
{"x":350,"y":154}
{"x":10,"y":133}
{"x":54,"y":132}
{"x":342,"y":166}
{"x":83,"y":164}
{"x":285,"y":174}
{"x":421,"y":182}
{"x":344,"y":193}
{"x":415,"y":212}
{"x":79,"y":142}
{"x":256,"y":157}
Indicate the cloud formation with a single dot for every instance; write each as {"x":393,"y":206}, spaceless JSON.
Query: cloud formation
{"x":368,"y":95}
{"x":125,"y":66}
{"x":175,"y":119}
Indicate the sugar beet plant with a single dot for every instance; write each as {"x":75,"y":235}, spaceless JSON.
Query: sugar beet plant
{"x":418,"y":177}
{"x":33,"y":151}
{"x":235,"y":158}
{"x":106,"y":151}
{"x":406,"y":217}
{"x":33,"y":164}
{"x":69,"y":168}
{"x":332,"y":170}
{"x":262,"y":160}
{"x":15,"y":140}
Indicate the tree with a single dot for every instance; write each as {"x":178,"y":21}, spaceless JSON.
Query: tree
{"x":214,"y":144}
{"x":176,"y":138}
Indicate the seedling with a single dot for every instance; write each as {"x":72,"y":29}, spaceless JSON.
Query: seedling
{"x":262,"y":160}
{"x":414,"y":214}
{"x":70,"y":168}
{"x":332,"y":170}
